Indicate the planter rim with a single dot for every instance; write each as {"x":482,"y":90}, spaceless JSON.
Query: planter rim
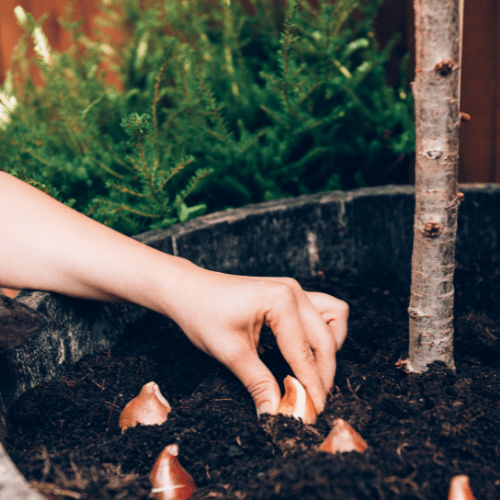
{"x":231,"y":214}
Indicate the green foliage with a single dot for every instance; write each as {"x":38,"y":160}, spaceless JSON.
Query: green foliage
{"x":275,"y":102}
{"x":144,"y":197}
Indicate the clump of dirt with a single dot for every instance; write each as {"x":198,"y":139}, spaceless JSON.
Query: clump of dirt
{"x":421,"y":429}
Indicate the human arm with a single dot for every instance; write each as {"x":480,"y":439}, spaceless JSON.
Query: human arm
{"x":48,"y":246}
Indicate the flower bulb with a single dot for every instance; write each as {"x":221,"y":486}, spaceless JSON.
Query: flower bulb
{"x":169,"y":480}
{"x":148,"y":408}
{"x":460,"y":489}
{"x":296,"y":402}
{"x":343,"y":438}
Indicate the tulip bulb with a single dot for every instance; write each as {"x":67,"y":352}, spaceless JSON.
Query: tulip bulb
{"x":169,"y":480}
{"x":148,"y":408}
{"x":296,"y":402}
{"x":9,"y":292}
{"x":460,"y":489}
{"x":343,"y":438}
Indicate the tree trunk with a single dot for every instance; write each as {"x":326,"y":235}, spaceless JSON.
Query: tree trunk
{"x":438,"y":29}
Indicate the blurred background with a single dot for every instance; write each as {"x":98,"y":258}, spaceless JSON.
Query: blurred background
{"x":480,"y":97}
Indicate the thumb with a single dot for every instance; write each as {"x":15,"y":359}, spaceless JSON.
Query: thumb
{"x":259,"y":382}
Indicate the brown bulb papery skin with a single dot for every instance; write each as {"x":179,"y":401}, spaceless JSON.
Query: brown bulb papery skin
{"x":343,"y":438}
{"x":169,"y":480}
{"x":296,"y":402}
{"x":148,"y":408}
{"x":9,"y":292}
{"x":460,"y":488}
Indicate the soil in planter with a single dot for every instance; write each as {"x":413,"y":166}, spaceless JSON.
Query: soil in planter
{"x":421,"y":429}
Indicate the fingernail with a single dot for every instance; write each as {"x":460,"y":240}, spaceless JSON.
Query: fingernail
{"x":148,"y":408}
{"x":296,"y":402}
{"x":460,"y":489}
{"x":265,"y":407}
{"x":343,"y":438}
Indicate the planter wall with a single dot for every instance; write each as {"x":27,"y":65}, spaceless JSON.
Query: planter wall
{"x":360,"y":230}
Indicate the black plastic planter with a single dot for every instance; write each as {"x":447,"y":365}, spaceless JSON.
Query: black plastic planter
{"x":360,"y":230}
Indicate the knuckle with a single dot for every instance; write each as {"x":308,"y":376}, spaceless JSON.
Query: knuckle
{"x":292,"y":283}
{"x":300,"y":354}
{"x":259,"y":389}
{"x":307,"y":355}
{"x":282,"y":294}
{"x":342,"y":309}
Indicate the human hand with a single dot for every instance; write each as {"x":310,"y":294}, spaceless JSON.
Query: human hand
{"x":48,"y":246}
{"x":224,"y":318}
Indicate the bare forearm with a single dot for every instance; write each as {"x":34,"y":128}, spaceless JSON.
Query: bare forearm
{"x":48,"y":246}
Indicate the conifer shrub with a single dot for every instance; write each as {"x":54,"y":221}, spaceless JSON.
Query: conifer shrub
{"x":220,"y":104}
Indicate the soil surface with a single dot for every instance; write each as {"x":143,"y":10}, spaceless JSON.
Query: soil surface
{"x":421,"y":429}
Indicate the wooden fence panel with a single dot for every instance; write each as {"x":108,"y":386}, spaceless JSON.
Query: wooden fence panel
{"x":58,"y":38}
{"x":480,"y":138}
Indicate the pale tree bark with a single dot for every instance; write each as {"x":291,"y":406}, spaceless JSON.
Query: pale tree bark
{"x":438,"y":30}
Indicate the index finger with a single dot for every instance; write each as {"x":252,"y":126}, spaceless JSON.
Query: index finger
{"x":284,"y":320}
{"x":335,"y":313}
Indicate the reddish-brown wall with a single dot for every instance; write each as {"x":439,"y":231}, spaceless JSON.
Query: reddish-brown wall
{"x":480,"y":138}
{"x":10,"y":31}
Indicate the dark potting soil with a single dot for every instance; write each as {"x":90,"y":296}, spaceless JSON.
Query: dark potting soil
{"x":421,"y":429}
